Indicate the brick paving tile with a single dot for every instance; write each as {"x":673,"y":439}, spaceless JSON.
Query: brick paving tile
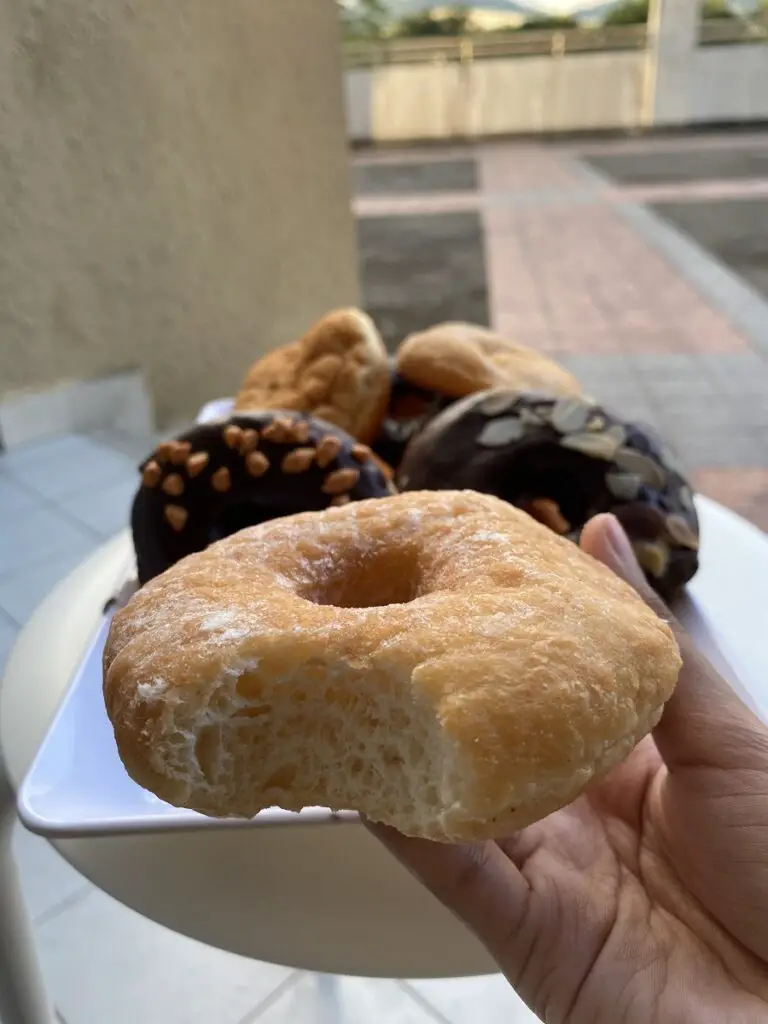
{"x":597,"y":286}
{"x":507,"y":168}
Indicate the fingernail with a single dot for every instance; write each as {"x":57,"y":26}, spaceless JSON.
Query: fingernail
{"x":626,"y":564}
{"x":619,"y":543}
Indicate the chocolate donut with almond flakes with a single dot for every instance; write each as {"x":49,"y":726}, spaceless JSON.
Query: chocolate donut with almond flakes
{"x":564,"y":460}
{"x":220,"y":477}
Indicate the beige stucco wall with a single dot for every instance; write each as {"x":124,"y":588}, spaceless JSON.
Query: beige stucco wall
{"x":173,"y":188}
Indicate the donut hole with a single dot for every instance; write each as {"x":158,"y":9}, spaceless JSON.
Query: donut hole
{"x":371,"y":579}
{"x":574,"y":481}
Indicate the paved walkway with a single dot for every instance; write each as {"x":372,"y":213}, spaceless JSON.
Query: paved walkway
{"x":579,"y":267}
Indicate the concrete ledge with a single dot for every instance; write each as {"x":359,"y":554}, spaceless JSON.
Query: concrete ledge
{"x":119,"y":402}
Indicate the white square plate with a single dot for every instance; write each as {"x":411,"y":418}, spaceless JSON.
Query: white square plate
{"x":77,"y":785}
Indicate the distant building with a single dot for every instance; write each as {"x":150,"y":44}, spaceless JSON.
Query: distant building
{"x":489,"y":19}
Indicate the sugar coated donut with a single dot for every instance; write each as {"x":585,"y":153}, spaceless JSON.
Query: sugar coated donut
{"x":457,"y":359}
{"x":438,"y":661}
{"x":222,"y":476}
{"x":338,"y":371}
{"x":564,"y":460}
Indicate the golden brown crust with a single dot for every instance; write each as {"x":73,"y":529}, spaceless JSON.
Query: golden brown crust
{"x":458,"y":359}
{"x":338,"y":371}
{"x":437,"y":660}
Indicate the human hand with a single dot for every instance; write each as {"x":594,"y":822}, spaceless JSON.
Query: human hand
{"x":646,"y":900}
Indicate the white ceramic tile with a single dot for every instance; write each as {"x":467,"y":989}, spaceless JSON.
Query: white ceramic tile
{"x":47,"y":880}
{"x":14,"y":499}
{"x":93,"y":403}
{"x":104,"y":963}
{"x":16,"y":456}
{"x":33,"y":415}
{"x":105,"y":508}
{"x":120,"y":400}
{"x":66,"y":466}
{"x":29,"y":539}
{"x":8,"y":632}
{"x":22,"y":591}
{"x":135,"y":414}
{"x":490,"y":999}
{"x":317,"y":999}
{"x":135,"y":446}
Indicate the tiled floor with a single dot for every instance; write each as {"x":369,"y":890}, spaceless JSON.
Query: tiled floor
{"x":575,"y":265}
{"x":59,"y":500}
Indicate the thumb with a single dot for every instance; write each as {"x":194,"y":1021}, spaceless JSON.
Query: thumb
{"x":704,"y":722}
{"x":604,"y":538}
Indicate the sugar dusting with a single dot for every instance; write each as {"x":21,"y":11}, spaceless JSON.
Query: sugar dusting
{"x":153,"y":690}
{"x":226,"y":624}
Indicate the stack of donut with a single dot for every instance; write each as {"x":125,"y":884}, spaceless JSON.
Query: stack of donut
{"x":444,"y":661}
{"x":330,"y":419}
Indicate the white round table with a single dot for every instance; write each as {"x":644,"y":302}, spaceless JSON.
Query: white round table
{"x":325,"y":898}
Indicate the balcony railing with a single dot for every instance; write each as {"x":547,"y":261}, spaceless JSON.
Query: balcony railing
{"x":558,"y":42}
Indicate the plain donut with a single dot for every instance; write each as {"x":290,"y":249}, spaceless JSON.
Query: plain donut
{"x":438,"y":661}
{"x":338,"y":371}
{"x":458,"y":359}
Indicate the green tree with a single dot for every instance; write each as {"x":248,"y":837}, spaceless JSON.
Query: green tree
{"x":368,"y":19}
{"x":716,"y":9}
{"x":635,"y":12}
{"x":630,"y":12}
{"x":429,"y":24}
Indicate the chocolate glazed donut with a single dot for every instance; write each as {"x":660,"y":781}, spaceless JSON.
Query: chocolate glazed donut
{"x":563,"y":461}
{"x":410,"y":409}
{"x":220,"y":477}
